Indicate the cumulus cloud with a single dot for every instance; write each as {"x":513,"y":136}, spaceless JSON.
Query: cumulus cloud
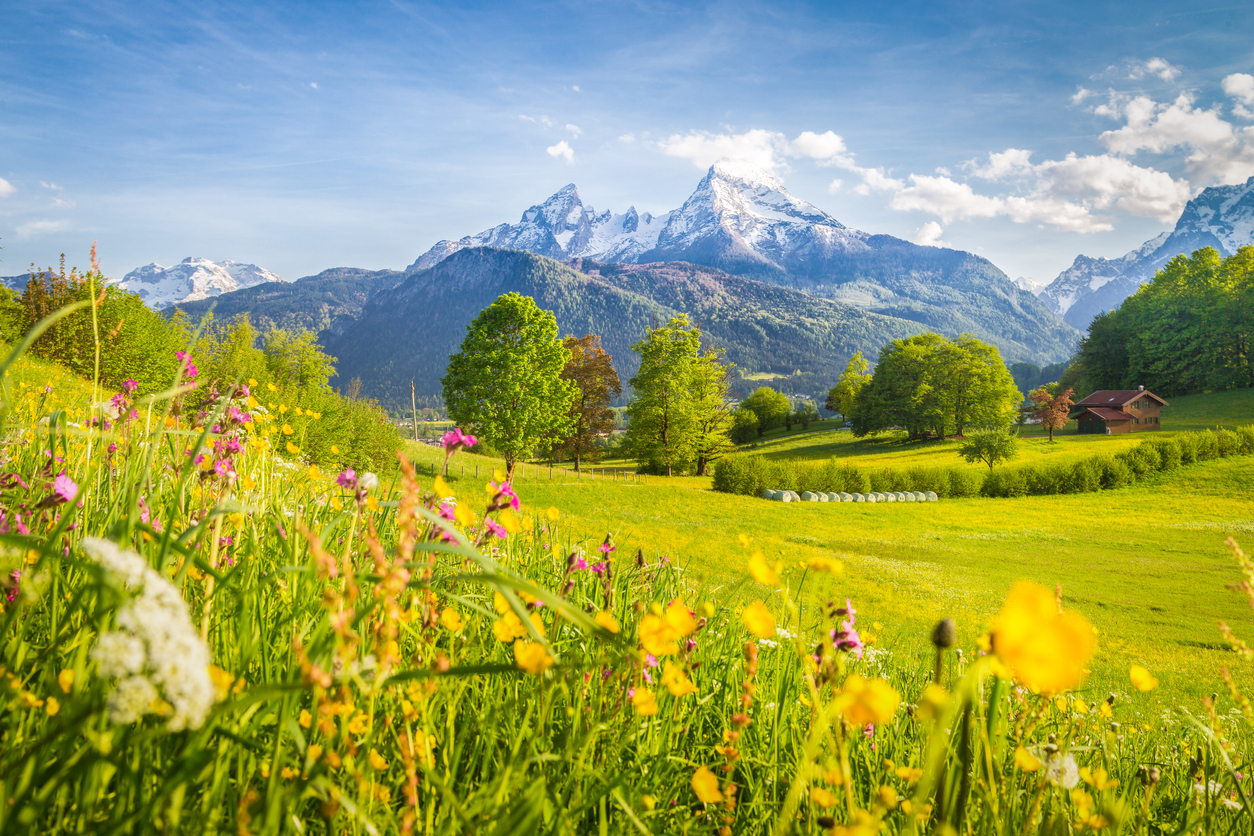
{"x":575,"y":130}
{"x":30,"y":229}
{"x":1154,"y":66}
{"x":946,"y":198}
{"x":1001,"y":165}
{"x":1240,"y":86}
{"x":1218,"y":151}
{"x":562,"y":149}
{"x":929,"y":235}
{"x":6,"y":188}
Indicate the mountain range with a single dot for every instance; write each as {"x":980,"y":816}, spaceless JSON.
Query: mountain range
{"x":1221,"y":217}
{"x":192,"y":279}
{"x":406,"y":330}
{"x":742,"y":220}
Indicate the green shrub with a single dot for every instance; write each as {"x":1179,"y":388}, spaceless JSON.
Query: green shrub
{"x":1227,"y":443}
{"x":1247,"y":439}
{"x":1188,"y":447}
{"x":963,"y":483}
{"x":1169,"y":453}
{"x":1084,"y":476}
{"x":1206,"y":446}
{"x":1114,"y":473}
{"x":1006,"y":482}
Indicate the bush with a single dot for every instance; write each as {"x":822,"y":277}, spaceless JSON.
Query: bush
{"x":1084,"y":476}
{"x":1006,"y":483}
{"x":1206,"y":446}
{"x":1247,"y":439}
{"x":1169,"y":453}
{"x":1114,"y":473}
{"x":1227,"y":443}
{"x":1188,"y":448}
{"x":963,"y":483}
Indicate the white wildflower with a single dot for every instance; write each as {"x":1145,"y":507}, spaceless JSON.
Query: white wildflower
{"x":156,"y":649}
{"x":369,"y":481}
{"x":1061,"y":770}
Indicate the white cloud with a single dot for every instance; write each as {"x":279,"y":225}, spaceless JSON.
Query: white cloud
{"x":946,"y":198}
{"x":63,"y":203}
{"x":32,"y":228}
{"x":313,"y":84}
{"x":1219,"y":152}
{"x":575,"y":87}
{"x":835,"y":185}
{"x":1107,"y":182}
{"x":561,"y":149}
{"x":828,"y":148}
{"x":1240,"y":86}
{"x":1080,"y":95}
{"x":575,"y":130}
{"x":765,"y":149}
{"x":52,"y":186}
{"x":1154,"y":66}
{"x":1013,"y":162}
{"x":542,"y":120}
{"x":929,"y":235}
{"x":627,"y":138}
{"x":6,"y":188}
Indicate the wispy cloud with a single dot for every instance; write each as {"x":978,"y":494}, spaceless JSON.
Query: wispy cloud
{"x":541,"y":120}
{"x":52,"y":186}
{"x":6,"y":188}
{"x":33,"y":229}
{"x":575,"y":130}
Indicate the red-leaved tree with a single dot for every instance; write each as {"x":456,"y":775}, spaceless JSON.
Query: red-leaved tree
{"x":1052,"y":411}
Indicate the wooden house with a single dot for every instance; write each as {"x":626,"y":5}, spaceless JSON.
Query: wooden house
{"x":1118,"y":411}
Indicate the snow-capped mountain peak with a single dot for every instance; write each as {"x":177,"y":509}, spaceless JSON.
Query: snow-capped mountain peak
{"x":1221,"y":217}
{"x":191,"y":279}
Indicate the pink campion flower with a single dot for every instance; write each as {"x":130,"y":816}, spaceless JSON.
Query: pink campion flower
{"x":129,"y":386}
{"x":133,"y":414}
{"x":447,"y":512}
{"x":347,"y":479}
{"x":233,"y":446}
{"x":580,"y":563}
{"x":598,"y":568}
{"x":189,"y":368}
{"x":504,"y":495}
{"x":606,"y":547}
{"x":64,"y":488}
{"x":455,"y":440}
{"x":222,"y":467}
{"x":113,"y":448}
{"x":495,"y":527}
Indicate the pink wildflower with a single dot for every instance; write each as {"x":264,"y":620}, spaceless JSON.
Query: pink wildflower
{"x":129,"y":386}
{"x":495,"y":527}
{"x":64,"y":488}
{"x":347,"y":479}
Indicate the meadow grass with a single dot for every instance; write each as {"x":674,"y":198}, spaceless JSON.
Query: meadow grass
{"x":384,"y":660}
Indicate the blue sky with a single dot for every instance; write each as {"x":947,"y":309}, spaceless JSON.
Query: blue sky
{"x":312,"y":135}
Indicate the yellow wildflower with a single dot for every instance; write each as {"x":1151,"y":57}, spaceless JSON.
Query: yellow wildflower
{"x":359,"y":724}
{"x":822,"y":797}
{"x":314,"y":472}
{"x":508,"y":628}
{"x":532,"y":657}
{"x":552,"y":514}
{"x":287,"y":429}
{"x":377,"y":761}
{"x":763,"y":572}
{"x":659,"y":633}
{"x":909,"y":774}
{"x":52,"y":705}
{"x":865,"y":701}
{"x":282,"y":408}
{"x":441,"y":488}
{"x":272,"y":387}
{"x":451,"y":619}
{"x":645,"y":702}
{"x":1026,"y":761}
{"x":288,"y":773}
{"x":1099,"y":778}
{"x":1142,"y":679}
{"x":509,"y":521}
{"x":759,"y":620}
{"x":677,"y":681}
{"x":314,"y":751}
{"x":888,"y":797}
{"x":66,"y":680}
{"x":335,"y":451}
{"x":825,"y":564}
{"x":252,"y":383}
{"x":705,"y":785}
{"x":1047,"y":650}
{"x":298,"y":411}
{"x":607,"y":621}
{"x":932,"y":701}
{"x":306,"y":719}
{"x":293,"y":449}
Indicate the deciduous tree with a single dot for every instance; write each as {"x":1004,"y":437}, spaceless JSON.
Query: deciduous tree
{"x":506,"y":384}
{"x":591,"y":370}
{"x":990,"y":447}
{"x":771,"y":407}
{"x":1052,"y":411}
{"x":711,"y":378}
{"x":842,"y":397}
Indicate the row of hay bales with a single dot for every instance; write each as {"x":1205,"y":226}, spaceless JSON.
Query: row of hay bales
{"x":835,"y":496}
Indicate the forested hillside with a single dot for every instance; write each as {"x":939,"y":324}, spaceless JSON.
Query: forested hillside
{"x":408,"y":331}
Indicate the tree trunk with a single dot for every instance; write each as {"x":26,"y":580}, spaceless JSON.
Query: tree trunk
{"x":576,"y":462}
{"x":700,"y":465}
{"x":510,"y":460}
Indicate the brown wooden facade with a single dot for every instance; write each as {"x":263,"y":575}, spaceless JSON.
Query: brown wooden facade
{"x":1118,"y":411}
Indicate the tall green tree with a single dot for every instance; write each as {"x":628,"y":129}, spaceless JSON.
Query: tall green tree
{"x":662,"y":417}
{"x":990,"y":447}
{"x":589,"y":368}
{"x":711,"y":379}
{"x":934,"y":387}
{"x":771,"y":407}
{"x":842,"y":397}
{"x":506,"y":384}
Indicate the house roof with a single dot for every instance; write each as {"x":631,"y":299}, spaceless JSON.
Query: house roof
{"x":1118,"y":397}
{"x":1107,"y":414}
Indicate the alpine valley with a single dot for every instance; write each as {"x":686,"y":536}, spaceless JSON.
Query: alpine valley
{"x":777,"y":282}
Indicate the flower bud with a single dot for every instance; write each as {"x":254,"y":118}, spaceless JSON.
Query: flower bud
{"x":945,"y":634}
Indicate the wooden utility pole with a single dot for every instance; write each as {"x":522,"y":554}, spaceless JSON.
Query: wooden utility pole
{"x":413,"y":400}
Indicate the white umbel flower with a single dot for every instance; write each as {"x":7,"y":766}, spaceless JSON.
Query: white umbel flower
{"x":155,"y":651}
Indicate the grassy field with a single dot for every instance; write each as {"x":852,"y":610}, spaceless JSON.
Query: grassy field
{"x":1147,"y":564}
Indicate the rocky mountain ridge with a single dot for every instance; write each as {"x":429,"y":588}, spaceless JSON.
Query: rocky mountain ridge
{"x":192,"y":279}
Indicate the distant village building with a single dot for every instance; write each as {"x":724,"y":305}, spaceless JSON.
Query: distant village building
{"x":1118,"y":411}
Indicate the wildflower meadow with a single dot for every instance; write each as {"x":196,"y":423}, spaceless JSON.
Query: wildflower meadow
{"x":203,"y":632}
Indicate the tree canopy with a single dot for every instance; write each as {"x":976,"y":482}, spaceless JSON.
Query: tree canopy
{"x":934,"y":387}
{"x":678,"y":418}
{"x":772,"y":408}
{"x":506,"y":384}
{"x":591,"y":370}
{"x":990,"y":447}
{"x":843,"y":396}
{"x":1189,"y":329}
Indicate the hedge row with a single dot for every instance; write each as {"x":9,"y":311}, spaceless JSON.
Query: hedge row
{"x":750,"y":475}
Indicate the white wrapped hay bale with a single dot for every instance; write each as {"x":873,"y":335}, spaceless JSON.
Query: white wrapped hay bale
{"x":846,"y":497}
{"x":931,"y":496}
{"x":823,"y":497}
{"x":920,"y":496}
{"x":834,"y":497}
{"x":770,"y":494}
{"x":785,"y":496}
{"x":859,"y":497}
{"x":908,"y":496}
{"x":890,"y":497}
{"x":871,"y":497}
{"x":809,"y":496}
{"x":901,"y":496}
